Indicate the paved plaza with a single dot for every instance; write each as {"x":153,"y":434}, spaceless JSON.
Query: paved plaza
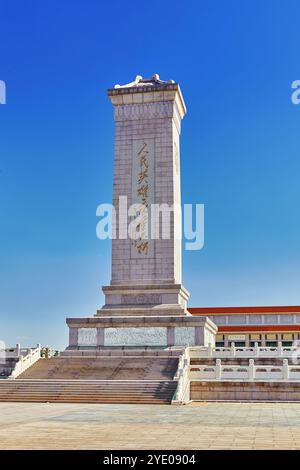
{"x":195,"y":426}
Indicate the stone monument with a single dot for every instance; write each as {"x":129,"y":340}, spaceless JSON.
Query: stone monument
{"x":145,"y":303}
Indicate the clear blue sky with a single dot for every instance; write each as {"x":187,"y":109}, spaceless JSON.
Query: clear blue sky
{"x":240,"y":148}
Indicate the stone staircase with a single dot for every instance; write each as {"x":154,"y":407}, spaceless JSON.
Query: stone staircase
{"x":103,"y":368}
{"x":88,"y":391}
{"x":147,"y":380}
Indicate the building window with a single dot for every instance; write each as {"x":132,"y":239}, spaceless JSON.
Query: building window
{"x":239,"y":344}
{"x":287,"y":343}
{"x":271,"y":344}
{"x":220,"y":344}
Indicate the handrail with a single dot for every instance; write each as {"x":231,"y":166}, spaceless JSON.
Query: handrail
{"x":14,"y":351}
{"x":26,"y":361}
{"x":182,"y":393}
{"x":248,"y":372}
{"x":246,"y":352}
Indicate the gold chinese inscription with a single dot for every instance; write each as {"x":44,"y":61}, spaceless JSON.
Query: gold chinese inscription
{"x":142,"y":190}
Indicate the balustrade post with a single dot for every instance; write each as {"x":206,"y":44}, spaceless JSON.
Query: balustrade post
{"x":256,"y":350}
{"x":232,"y":349}
{"x":285,"y":369}
{"x":251,"y":370}
{"x":210,"y":350}
{"x":280,"y":349}
{"x":18,"y":349}
{"x":218,"y":369}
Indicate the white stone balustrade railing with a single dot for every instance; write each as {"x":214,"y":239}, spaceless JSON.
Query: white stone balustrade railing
{"x":182,"y":394}
{"x":27,"y":357}
{"x":250,"y":372}
{"x":246,"y":352}
{"x":9,"y":353}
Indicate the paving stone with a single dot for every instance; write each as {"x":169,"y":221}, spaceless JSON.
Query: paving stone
{"x":213,"y":426}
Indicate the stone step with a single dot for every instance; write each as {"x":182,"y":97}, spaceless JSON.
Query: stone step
{"x":116,"y":386}
{"x":122,"y":352}
{"x":103,"y":368}
{"x":133,"y":401}
{"x":102,"y":398}
{"x":82,"y":391}
{"x":95,"y":380}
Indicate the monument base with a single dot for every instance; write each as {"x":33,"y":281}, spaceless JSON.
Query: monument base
{"x":140,"y":331}
{"x":144,"y":300}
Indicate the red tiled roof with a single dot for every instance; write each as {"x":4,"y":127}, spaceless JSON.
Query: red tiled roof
{"x":230,"y":310}
{"x":252,"y":328}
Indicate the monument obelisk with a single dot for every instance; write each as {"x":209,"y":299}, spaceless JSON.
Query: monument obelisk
{"x":145,"y":303}
{"x":146,"y":273}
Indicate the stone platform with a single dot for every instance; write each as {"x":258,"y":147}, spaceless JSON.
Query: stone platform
{"x":103,"y":368}
{"x":245,"y":391}
{"x":197,"y":426}
{"x":140,"y":331}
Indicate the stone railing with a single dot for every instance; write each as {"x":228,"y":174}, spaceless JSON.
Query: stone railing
{"x":10,"y":353}
{"x":182,"y":394}
{"x":14,"y":352}
{"x":246,"y":352}
{"x":250,"y":372}
{"x":27,"y":357}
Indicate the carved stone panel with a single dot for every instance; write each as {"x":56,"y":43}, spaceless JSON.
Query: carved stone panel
{"x":150,"y":336}
{"x":185,"y":336}
{"x":141,"y":299}
{"x":87,"y":336}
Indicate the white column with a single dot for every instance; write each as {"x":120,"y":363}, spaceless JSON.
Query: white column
{"x":218,"y":369}
{"x":285,"y":369}
{"x":251,"y":369}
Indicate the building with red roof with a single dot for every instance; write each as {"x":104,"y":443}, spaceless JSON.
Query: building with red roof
{"x":245,"y":326}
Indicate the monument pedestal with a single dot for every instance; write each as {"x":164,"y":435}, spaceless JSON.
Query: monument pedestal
{"x":148,"y":316}
{"x":149,"y":299}
{"x":140,"y":332}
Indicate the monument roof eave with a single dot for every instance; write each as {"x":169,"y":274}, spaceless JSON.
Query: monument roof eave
{"x":148,"y":85}
{"x":140,"y":83}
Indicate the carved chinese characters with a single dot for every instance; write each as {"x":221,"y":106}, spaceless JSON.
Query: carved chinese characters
{"x":143,"y":195}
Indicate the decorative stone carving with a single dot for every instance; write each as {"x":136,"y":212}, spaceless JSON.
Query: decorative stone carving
{"x":142,"y":82}
{"x":141,"y":299}
{"x":185,"y":336}
{"x":143,"y":336}
{"x":87,"y":336}
{"x":145,"y":110}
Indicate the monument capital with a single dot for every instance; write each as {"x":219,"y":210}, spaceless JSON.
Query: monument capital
{"x":148,"y":90}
